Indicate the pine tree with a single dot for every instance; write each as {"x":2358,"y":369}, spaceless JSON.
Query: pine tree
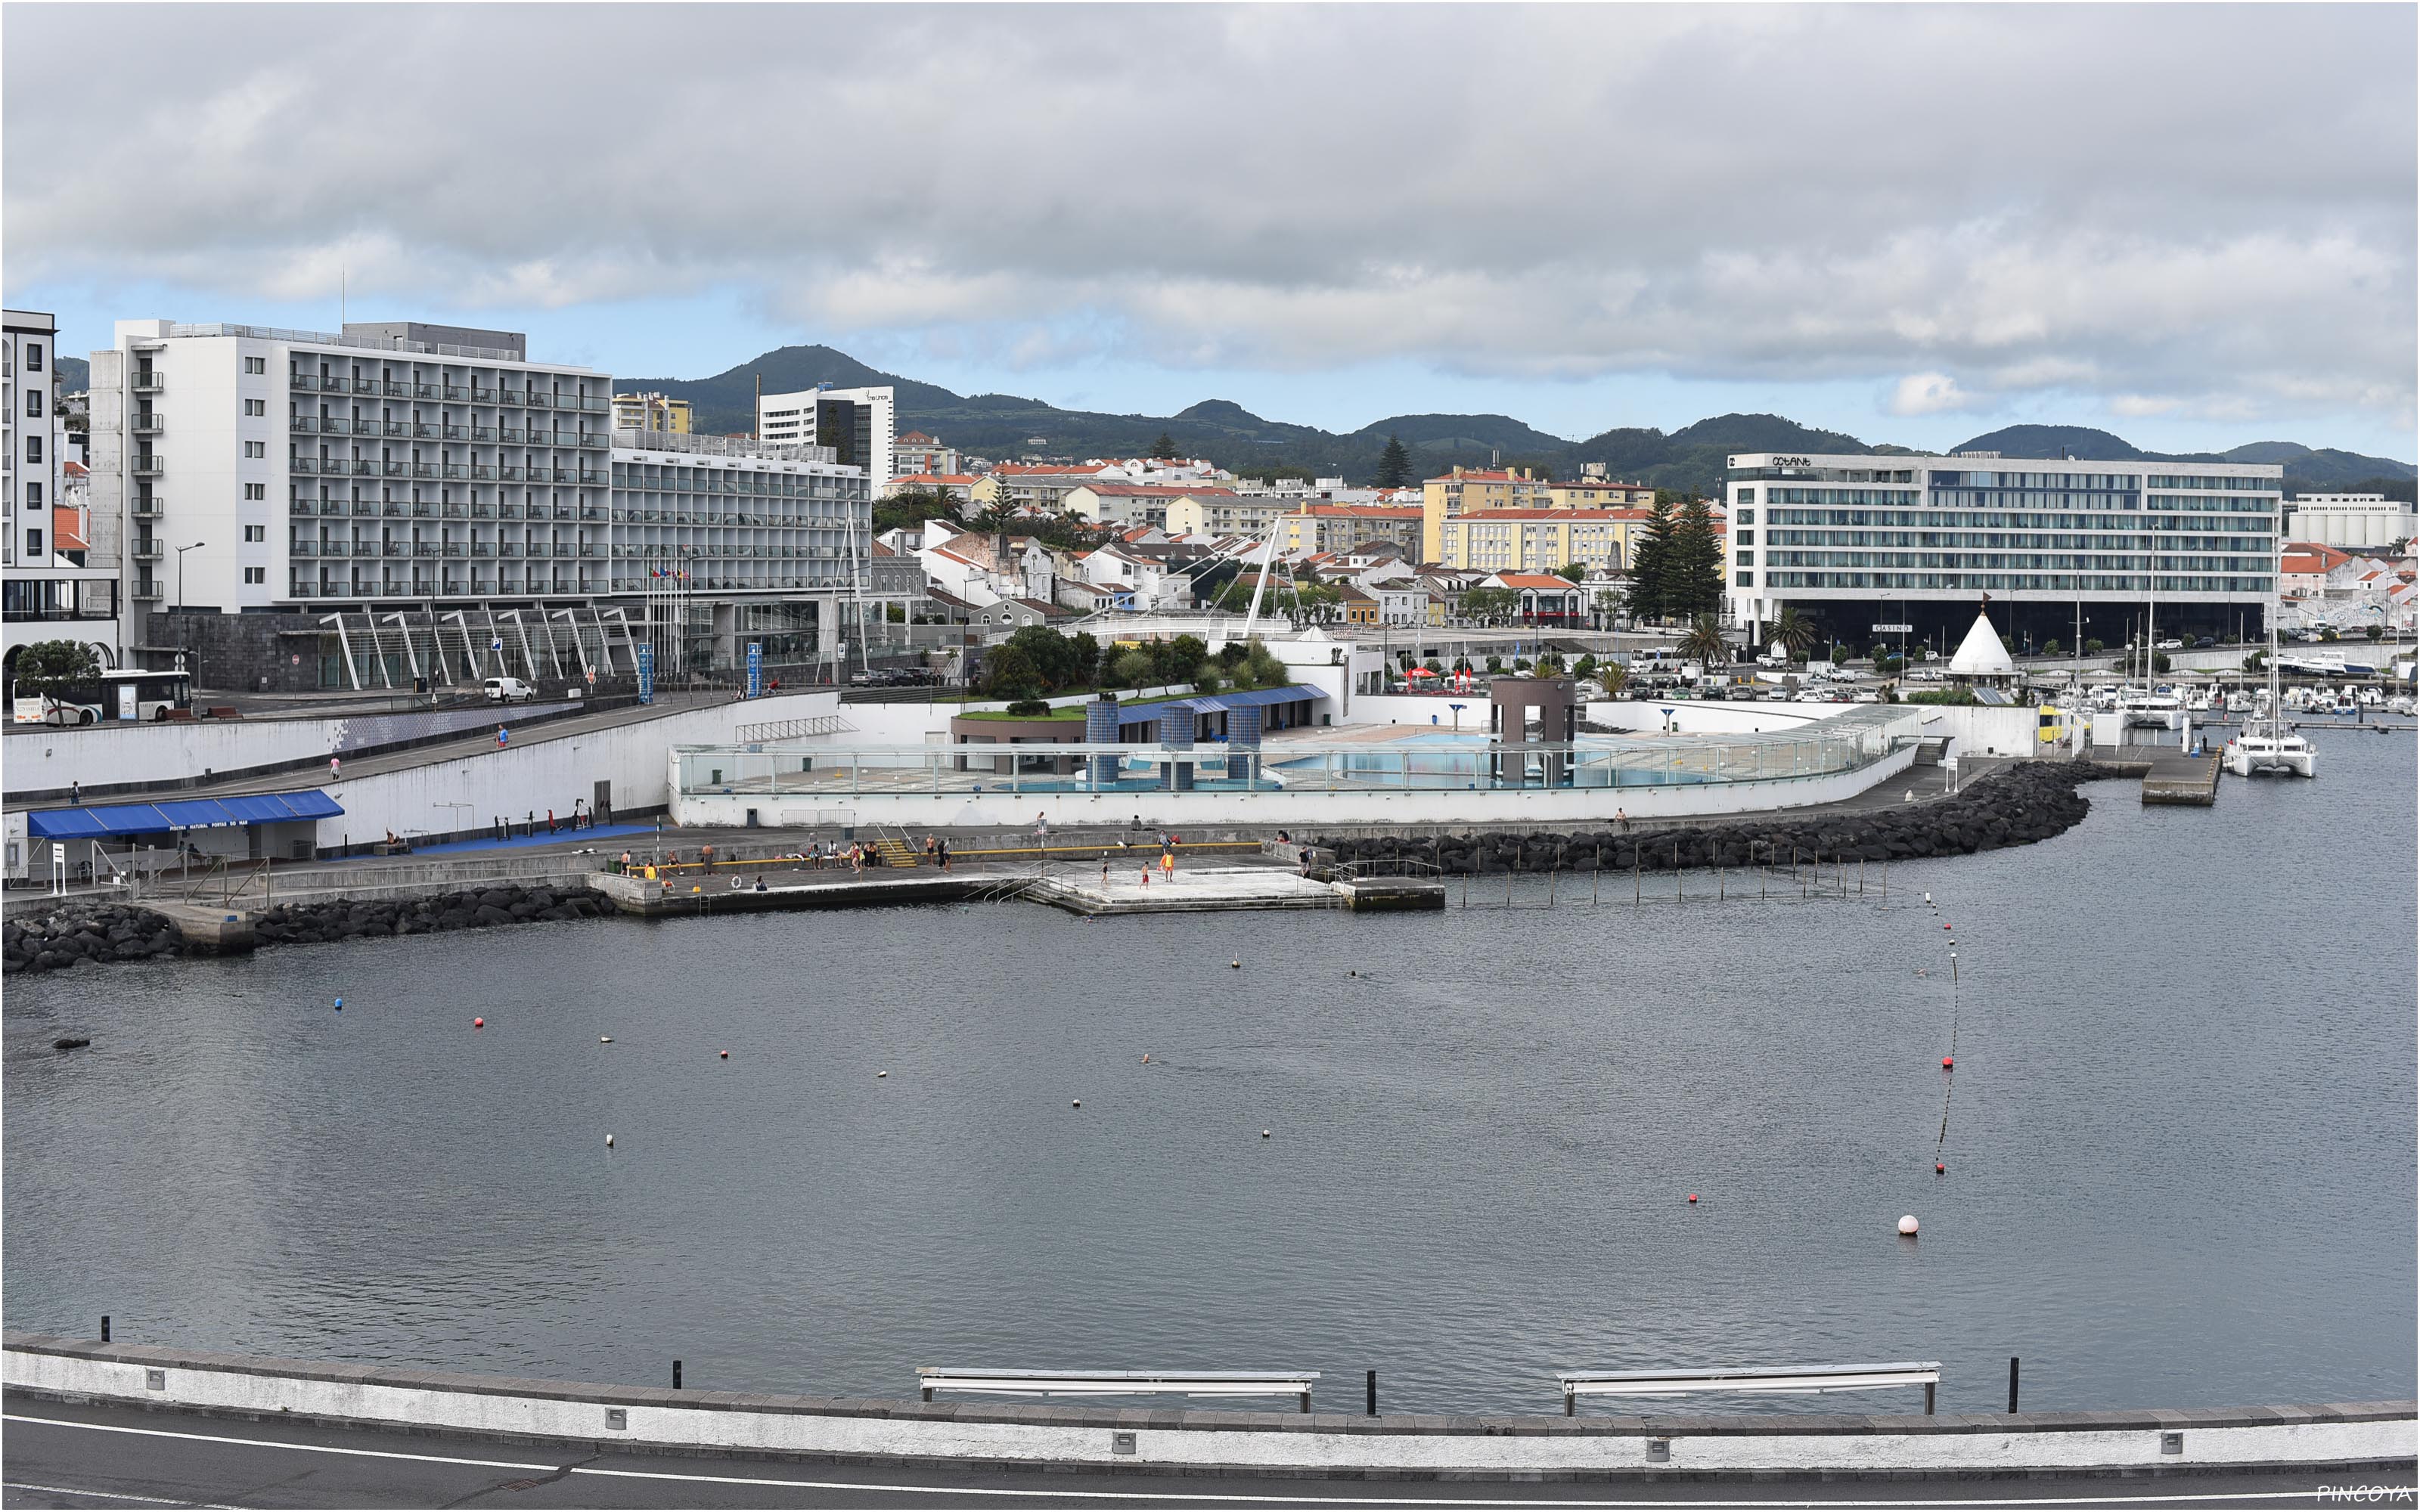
{"x":1165,"y":447}
{"x":1394,"y":465}
{"x":1693,"y":579}
{"x":1652,"y":563}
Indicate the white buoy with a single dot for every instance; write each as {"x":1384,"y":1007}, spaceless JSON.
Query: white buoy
{"x":608,"y":1141}
{"x":1907,"y":1223}
{"x":1236,"y":965}
{"x":1265,"y":1134}
{"x":604,"y":1039}
{"x":879,"y":1074}
{"x":1076,"y":1103}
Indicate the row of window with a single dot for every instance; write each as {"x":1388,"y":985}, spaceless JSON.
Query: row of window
{"x":2036,"y":541}
{"x":2046,"y":583}
{"x":2009,"y":519}
{"x":2033,"y":561}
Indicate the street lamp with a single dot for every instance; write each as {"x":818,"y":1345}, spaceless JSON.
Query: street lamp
{"x":180,"y":572}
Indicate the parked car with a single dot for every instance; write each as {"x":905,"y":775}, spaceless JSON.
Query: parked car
{"x":2206,"y":642}
{"x":2171,"y":645}
{"x":509,"y":690}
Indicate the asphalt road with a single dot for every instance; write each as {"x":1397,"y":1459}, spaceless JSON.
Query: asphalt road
{"x":62,"y":1454}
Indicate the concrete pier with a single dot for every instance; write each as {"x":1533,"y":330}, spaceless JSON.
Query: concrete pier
{"x":1207,"y":889}
{"x":789,"y":890}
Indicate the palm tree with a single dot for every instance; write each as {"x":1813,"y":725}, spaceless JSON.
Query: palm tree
{"x":1612,"y":675}
{"x":1704,"y":643}
{"x":1794,"y":633}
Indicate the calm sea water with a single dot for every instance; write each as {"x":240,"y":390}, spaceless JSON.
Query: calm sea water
{"x":2180,"y":1143}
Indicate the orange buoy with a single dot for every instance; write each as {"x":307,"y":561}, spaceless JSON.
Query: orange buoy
{"x":1938,"y":1168}
{"x":1946,"y":1063}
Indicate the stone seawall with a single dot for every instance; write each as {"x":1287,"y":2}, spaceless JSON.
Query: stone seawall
{"x":93,"y":934}
{"x":2016,"y":806}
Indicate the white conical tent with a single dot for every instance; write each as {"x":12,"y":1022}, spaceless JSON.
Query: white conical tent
{"x":1981,"y":655}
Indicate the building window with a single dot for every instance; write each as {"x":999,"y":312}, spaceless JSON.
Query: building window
{"x":256,"y":449}
{"x":256,"y":532}
{"x":33,"y":543}
{"x":256,"y":490}
{"x":33,"y":357}
{"x":33,"y":496}
{"x":33,"y":448}
{"x":256,"y":575}
{"x":256,"y":364}
{"x":33,"y":404}
{"x":255,"y":406}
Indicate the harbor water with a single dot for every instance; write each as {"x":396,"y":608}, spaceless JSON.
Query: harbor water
{"x":2179,"y":1140}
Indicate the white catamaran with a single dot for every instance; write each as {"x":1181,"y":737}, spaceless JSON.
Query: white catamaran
{"x":2267,"y":743}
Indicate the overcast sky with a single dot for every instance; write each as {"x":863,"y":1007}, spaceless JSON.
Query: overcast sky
{"x":2192,"y":225}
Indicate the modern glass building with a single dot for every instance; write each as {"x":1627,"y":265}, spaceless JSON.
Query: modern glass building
{"x":1857,"y":541}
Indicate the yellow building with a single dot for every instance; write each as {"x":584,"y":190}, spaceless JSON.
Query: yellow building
{"x":1469,"y":492}
{"x":1542,"y":540}
{"x":1597,"y":493}
{"x":650,"y":412}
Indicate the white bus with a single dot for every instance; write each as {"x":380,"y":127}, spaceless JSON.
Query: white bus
{"x":134,"y":695}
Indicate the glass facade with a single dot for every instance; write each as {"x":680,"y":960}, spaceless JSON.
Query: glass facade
{"x":1833,"y":528}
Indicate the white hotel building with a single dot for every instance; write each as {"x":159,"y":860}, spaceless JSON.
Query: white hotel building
{"x":859,"y":427}
{"x":1854,"y":541}
{"x":434,"y":500}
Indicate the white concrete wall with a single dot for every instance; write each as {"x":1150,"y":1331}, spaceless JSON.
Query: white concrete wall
{"x":540,"y":774}
{"x":1697,"y":717}
{"x":1332,"y":1443}
{"x":103,"y":755}
{"x":1580,"y":808}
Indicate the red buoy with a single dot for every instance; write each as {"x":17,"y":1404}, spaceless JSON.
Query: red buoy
{"x":1945,"y":924}
{"x":725,"y":1053}
{"x":478,"y":1024}
{"x":1946,"y":1063}
{"x":1938,"y":1168}
{"x":1693,"y":1197}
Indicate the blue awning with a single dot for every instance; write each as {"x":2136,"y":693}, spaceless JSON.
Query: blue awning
{"x":183,"y":813}
{"x":1293,"y":693}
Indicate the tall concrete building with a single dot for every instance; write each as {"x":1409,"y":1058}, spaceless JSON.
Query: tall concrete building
{"x":59,"y":574}
{"x":651,"y":411}
{"x":395,"y":502}
{"x":861,"y":426}
{"x":1857,"y":541}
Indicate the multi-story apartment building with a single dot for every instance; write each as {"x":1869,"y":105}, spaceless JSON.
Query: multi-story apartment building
{"x":1040,"y":486}
{"x":651,"y":411}
{"x":916,"y":454}
{"x":437,"y":481}
{"x":1470,"y":491}
{"x":59,"y":575}
{"x":859,"y":427}
{"x":1857,"y":541}
{"x":1543,"y":540}
{"x":1316,"y":528}
{"x":1599,"y":493}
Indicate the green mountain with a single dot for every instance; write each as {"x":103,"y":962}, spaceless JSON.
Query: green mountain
{"x":75,"y":373}
{"x":1007,"y":426}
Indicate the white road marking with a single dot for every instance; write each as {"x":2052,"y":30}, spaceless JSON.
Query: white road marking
{"x":273,"y":1444}
{"x":109,"y":1496}
{"x":1061,"y":1494}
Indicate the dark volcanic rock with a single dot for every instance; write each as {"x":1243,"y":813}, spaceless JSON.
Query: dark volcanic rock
{"x":2015,"y":806}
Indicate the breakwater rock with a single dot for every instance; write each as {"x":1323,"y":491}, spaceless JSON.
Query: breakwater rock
{"x":478,"y":908}
{"x":86,"y":934}
{"x":2015,"y":806}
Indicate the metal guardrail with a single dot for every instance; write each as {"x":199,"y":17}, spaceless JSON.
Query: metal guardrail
{"x":1788,"y":1380}
{"x":821,"y":724}
{"x":1297,"y":1384}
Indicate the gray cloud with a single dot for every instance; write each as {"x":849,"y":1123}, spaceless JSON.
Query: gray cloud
{"x":2183,"y":209}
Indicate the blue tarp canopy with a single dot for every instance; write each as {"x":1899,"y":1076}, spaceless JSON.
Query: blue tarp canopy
{"x":186,"y":814}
